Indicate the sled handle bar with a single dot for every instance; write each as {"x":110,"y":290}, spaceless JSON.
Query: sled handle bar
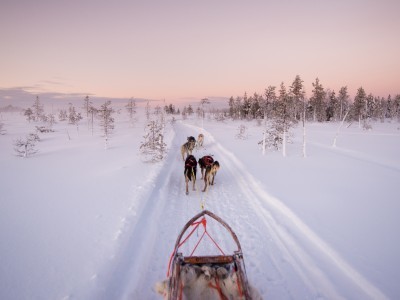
{"x":215,"y":217}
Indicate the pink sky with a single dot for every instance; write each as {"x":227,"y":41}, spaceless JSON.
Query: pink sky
{"x":177,"y":49}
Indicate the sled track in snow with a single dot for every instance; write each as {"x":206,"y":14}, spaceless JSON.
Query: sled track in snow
{"x":283,"y":227}
{"x":290,"y":251}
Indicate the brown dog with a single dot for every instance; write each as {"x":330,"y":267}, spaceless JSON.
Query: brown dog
{"x":211,"y":171}
{"x":190,"y":172}
{"x":188,"y":147}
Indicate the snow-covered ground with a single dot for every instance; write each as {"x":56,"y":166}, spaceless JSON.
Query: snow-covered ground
{"x":81,"y":222}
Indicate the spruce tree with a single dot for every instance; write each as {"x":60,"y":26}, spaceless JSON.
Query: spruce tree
{"x":106,"y":120}
{"x":153,"y":147}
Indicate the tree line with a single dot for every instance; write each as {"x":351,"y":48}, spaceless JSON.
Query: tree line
{"x":323,"y":105}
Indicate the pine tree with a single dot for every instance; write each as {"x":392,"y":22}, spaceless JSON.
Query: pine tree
{"x":86,"y":105}
{"x":92,"y":113}
{"x":396,"y":106}
{"x":231,"y":104}
{"x":317,"y":102}
{"x":343,"y":99}
{"x":269,"y":100}
{"x":131,"y":108}
{"x":359,"y":105}
{"x":283,"y":119}
{"x":153,"y":147}
{"x":190,"y":110}
{"x":147,"y":110}
{"x":297,"y":93}
{"x":25,"y":147}
{"x":106,"y":120}
{"x":73,"y":116}
{"x":29,"y":114}
{"x":332,"y":107}
{"x":62,"y":116}
{"x":37,"y":109}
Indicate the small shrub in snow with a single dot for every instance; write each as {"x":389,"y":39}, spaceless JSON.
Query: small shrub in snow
{"x":62,"y":116}
{"x":43,"y":129}
{"x":242,"y":134}
{"x":25,"y":147}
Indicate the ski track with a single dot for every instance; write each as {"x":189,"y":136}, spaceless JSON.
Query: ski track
{"x":357,"y":155}
{"x":282,"y":258}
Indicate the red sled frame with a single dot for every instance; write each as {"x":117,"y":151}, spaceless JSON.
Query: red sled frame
{"x":177,"y":259}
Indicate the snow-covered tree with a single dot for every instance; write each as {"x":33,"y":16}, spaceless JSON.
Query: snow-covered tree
{"x":298,"y":94}
{"x":92,"y":113}
{"x":332,"y":106}
{"x":283,"y":118}
{"x":269,"y":100}
{"x":317,"y":102}
{"x":131,"y":108}
{"x":29,"y":114}
{"x":242,"y":134}
{"x":51,"y":119}
{"x":37,"y":109}
{"x":106,"y":120}
{"x":25,"y":147}
{"x":147,"y":110}
{"x":360,"y":106}
{"x":153,"y":148}
{"x":86,"y":105}
{"x":272,"y":138}
{"x":73,"y":116}
{"x":202,"y":113}
{"x":190,"y":110}
{"x":396,"y":107}
{"x":343,"y":99}
{"x":62,"y":116}
{"x":184,"y":113}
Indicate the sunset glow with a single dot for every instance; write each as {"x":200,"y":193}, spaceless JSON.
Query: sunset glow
{"x":177,"y":49}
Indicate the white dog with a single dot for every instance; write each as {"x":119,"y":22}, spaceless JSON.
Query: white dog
{"x":209,"y":283}
{"x":200,"y":140}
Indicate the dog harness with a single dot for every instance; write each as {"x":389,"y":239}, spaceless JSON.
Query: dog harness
{"x":208,"y":160}
{"x":191,"y":162}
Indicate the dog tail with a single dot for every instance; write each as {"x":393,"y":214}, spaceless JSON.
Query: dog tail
{"x":190,"y":173}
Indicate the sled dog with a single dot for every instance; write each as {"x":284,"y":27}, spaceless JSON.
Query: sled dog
{"x":205,"y":161}
{"x":209,"y":176}
{"x":207,"y":282}
{"x":190,"y":172}
{"x":200,"y":140}
{"x":188,"y":147}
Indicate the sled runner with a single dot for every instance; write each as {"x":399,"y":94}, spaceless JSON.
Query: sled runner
{"x":206,"y":277}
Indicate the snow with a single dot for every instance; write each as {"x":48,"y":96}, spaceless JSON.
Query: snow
{"x":81,"y":222}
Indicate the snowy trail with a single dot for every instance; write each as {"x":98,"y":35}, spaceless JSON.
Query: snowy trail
{"x":284,"y":259}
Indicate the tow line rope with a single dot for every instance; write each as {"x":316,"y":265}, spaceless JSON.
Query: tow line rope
{"x":202,"y":198}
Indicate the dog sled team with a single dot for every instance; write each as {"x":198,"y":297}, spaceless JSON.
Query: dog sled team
{"x":210,"y":277}
{"x":208,"y":166}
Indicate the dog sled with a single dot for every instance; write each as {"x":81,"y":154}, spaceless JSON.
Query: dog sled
{"x":206,"y":277}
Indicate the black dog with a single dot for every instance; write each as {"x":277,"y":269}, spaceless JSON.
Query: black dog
{"x":204,"y":162}
{"x":190,"y":172}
